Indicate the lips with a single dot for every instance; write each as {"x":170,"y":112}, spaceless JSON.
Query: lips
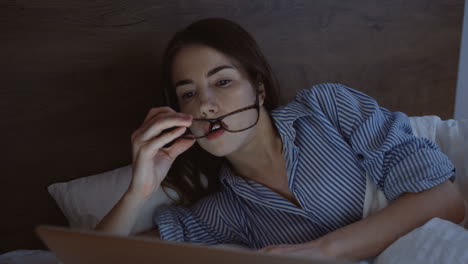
{"x":217,"y":133}
{"x":208,"y":125}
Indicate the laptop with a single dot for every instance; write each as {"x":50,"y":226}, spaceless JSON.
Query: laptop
{"x":75,"y":246}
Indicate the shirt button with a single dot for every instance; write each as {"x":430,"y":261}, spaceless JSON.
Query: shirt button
{"x":360,"y":156}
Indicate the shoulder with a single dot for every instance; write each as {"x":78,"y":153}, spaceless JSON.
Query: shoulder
{"x":327,"y":92}
{"x":321,"y":97}
{"x":321,"y":89}
{"x":317,"y":101}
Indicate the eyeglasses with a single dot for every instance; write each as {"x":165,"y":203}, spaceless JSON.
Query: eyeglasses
{"x":236,"y":121}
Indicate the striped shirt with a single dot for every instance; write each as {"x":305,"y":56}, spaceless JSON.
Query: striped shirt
{"x":333,"y":138}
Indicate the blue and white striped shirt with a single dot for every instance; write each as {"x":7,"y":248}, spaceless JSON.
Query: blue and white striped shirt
{"x":333,"y":136}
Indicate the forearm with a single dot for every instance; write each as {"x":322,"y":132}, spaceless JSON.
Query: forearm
{"x":370,"y":236}
{"x":121,"y":219}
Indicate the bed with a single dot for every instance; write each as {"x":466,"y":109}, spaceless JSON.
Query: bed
{"x":79,"y":77}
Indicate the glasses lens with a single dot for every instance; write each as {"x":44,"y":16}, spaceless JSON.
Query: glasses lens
{"x":233,"y":123}
{"x":241,"y":120}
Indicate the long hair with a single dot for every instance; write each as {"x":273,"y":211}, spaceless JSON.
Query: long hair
{"x":187,"y":172}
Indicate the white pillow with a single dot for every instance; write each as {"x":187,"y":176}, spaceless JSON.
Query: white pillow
{"x":85,"y":201}
{"x":452,"y":138}
{"x":437,"y":241}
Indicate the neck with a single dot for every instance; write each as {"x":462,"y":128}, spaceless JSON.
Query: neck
{"x":261,"y":159}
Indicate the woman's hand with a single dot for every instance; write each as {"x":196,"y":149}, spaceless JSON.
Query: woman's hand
{"x":151,"y":162}
{"x":313,"y":249}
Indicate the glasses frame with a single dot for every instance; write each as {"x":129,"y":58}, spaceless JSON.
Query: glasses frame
{"x":214,"y":121}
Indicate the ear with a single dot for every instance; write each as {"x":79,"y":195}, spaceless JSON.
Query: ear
{"x":261,"y":93}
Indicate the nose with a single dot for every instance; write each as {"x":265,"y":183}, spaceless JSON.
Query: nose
{"x":208,"y":104}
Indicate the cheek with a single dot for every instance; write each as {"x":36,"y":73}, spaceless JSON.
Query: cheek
{"x":240,"y":98}
{"x":188,"y":108}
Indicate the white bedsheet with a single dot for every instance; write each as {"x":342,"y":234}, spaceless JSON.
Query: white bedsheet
{"x":24,"y":256}
{"x":438,"y":241}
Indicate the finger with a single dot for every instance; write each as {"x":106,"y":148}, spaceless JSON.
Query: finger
{"x":142,"y":135}
{"x":151,"y":118}
{"x":275,"y":248}
{"x":157,"y":143}
{"x":155,"y":118}
{"x":161,"y":116}
{"x":155,"y":111}
{"x":266,"y":249}
{"x":277,"y":251}
{"x":180,"y":146}
{"x":165,"y":123}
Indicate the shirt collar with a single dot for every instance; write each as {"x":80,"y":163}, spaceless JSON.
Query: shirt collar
{"x":285,"y":116}
{"x":227,"y":175}
{"x":256,"y":192}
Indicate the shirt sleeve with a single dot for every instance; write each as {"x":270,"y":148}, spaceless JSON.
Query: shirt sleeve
{"x":385,"y":146}
{"x":202,"y":223}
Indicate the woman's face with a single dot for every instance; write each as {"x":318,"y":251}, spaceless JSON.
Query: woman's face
{"x":208,"y":85}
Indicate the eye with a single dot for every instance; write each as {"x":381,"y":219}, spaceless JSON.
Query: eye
{"x":223,"y":82}
{"x":187,"y":95}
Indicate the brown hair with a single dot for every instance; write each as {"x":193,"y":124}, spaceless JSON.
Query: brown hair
{"x":227,"y":37}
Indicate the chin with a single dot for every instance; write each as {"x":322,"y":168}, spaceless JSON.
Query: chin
{"x":223,"y":146}
{"x":217,"y":149}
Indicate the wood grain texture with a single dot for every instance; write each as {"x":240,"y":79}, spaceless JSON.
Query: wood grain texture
{"x":78,"y":77}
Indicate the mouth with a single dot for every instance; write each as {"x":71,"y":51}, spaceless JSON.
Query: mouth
{"x":215,"y":133}
{"x":217,"y":126}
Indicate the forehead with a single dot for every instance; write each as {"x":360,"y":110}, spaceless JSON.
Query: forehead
{"x":198,"y":59}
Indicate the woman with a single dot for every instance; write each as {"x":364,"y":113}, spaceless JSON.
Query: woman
{"x":289,"y":180}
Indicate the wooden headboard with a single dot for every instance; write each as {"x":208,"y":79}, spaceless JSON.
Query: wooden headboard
{"x":78,"y":77}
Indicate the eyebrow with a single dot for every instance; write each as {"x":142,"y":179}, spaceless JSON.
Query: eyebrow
{"x":211,"y":72}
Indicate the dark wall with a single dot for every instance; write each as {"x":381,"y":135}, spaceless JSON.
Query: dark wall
{"x":78,"y":77}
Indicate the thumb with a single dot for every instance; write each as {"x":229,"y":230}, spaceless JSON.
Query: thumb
{"x":180,"y":146}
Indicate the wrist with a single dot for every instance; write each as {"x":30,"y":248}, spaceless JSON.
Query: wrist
{"x":135,"y":198}
{"x":140,"y":193}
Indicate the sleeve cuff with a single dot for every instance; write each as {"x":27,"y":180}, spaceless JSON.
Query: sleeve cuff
{"x":169,"y":226}
{"x":432,"y":169}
